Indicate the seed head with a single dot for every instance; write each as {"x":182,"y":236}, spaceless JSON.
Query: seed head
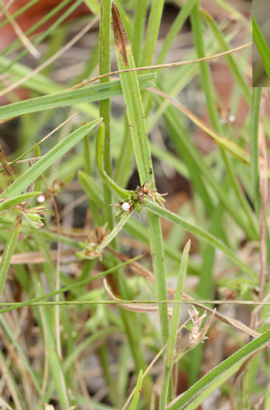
{"x":125,"y":206}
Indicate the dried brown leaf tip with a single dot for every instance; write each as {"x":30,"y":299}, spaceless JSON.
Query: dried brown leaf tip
{"x":120,"y":36}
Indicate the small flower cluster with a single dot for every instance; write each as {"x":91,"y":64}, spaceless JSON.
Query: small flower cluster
{"x":137,"y":199}
{"x":95,"y":238}
{"x":197,"y":333}
{"x":150,"y":193}
{"x":33,"y":215}
{"x":126,"y":206}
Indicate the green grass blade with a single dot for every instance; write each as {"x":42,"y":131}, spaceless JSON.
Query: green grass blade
{"x":221,"y":372}
{"x":254,"y":149}
{"x":8,"y":251}
{"x":174,"y":30}
{"x":125,"y":162}
{"x":12,"y":383}
{"x":152,"y":32}
{"x":21,"y":354}
{"x":206,"y":80}
{"x":138,"y":130}
{"x":10,"y":203}
{"x":138,"y":32}
{"x":239,"y":78}
{"x":235,"y":14}
{"x":173,"y":329}
{"x":204,"y":170}
{"x":24,"y":180}
{"x":53,"y":357}
{"x":68,"y":98}
{"x":67,"y":288}
{"x":205,"y":236}
{"x":261,"y":45}
{"x":104,"y":105}
{"x":136,"y":396}
{"x":119,"y":192}
{"x":93,"y":5}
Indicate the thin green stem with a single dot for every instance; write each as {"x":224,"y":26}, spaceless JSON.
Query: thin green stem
{"x":254,"y":149}
{"x":104,"y":106}
{"x":100,"y":158}
{"x":152,"y":32}
{"x":8,"y":251}
{"x":239,"y":78}
{"x":138,"y":31}
{"x":67,"y":288}
{"x":174,"y":30}
{"x":173,"y":329}
{"x":26,"y":179}
{"x":221,"y":372}
{"x":138,"y":130}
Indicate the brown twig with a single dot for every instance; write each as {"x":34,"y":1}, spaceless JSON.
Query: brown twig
{"x":159,"y":66}
{"x":5,"y":164}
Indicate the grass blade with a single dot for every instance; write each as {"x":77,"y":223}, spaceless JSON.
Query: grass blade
{"x":229,"y":58}
{"x":104,"y":105}
{"x":254,"y":149}
{"x":8,"y":251}
{"x":175,"y":28}
{"x":138,"y":130}
{"x":20,"y":353}
{"x":24,"y":180}
{"x":68,"y":98}
{"x":152,"y":32}
{"x":261,"y":46}
{"x":207,"y":237}
{"x":173,"y":329}
{"x":10,"y":203}
{"x":67,"y":288}
{"x":133,"y":405}
{"x":221,"y":372}
{"x":138,"y":32}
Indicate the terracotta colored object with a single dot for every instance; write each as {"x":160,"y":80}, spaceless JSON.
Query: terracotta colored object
{"x":35,"y":13}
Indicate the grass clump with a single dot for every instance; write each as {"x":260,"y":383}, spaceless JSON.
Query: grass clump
{"x":70,"y":340}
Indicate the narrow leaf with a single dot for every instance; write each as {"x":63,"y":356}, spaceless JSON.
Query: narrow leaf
{"x":226,"y":369}
{"x":261,"y":46}
{"x":9,"y":203}
{"x":67,"y":98}
{"x":174,"y":327}
{"x":139,"y":135}
{"x":205,"y":236}
{"x":9,"y":249}
{"x":24,"y":180}
{"x":137,"y":392}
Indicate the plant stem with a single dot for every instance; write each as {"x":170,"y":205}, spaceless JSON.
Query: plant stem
{"x":138,"y":130}
{"x":173,"y":329}
{"x":104,"y":106}
{"x":8,"y":252}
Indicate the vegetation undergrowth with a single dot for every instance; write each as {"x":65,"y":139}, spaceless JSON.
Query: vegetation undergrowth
{"x":134,"y":210}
